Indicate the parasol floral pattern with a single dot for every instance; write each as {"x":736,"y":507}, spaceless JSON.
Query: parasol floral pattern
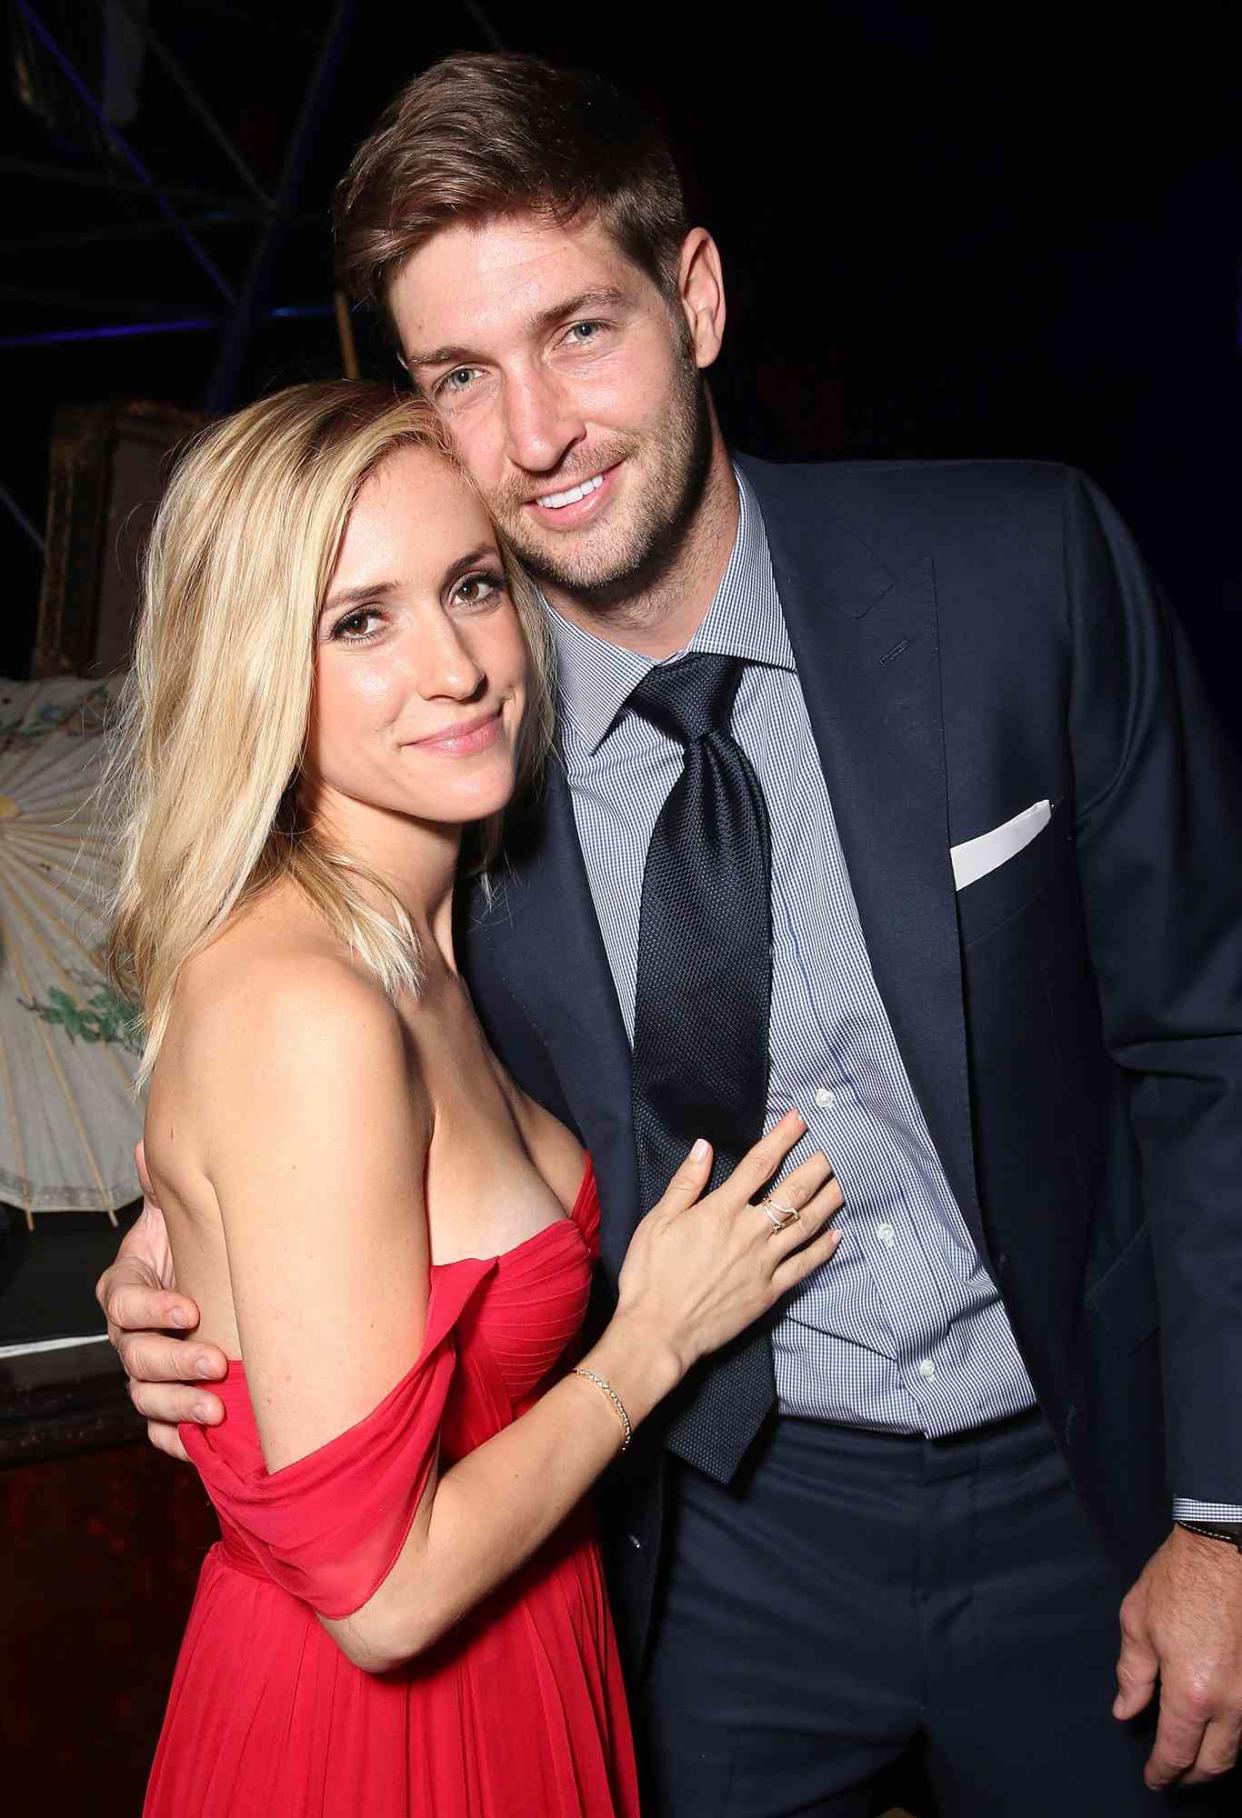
{"x":68,"y":1043}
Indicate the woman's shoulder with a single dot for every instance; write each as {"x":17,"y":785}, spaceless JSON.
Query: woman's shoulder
{"x":277,"y":988}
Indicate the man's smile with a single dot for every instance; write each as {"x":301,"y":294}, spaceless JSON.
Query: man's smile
{"x":575,"y":504}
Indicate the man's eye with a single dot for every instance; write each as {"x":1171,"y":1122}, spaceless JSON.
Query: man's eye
{"x":455,"y":382}
{"x":581,"y":334}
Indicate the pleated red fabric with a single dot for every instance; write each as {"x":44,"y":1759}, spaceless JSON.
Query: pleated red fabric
{"x":519,"y":1711}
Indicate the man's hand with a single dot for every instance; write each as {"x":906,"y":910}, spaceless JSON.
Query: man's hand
{"x":140,"y":1302}
{"x":1182,"y":1623}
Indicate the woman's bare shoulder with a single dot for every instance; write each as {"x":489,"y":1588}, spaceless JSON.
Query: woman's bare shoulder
{"x":278,"y":989}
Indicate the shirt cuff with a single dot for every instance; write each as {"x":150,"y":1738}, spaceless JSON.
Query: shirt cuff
{"x":1186,"y":1508}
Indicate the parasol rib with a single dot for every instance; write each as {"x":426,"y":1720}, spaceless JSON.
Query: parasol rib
{"x":70,"y":1117}
{"x":18,"y":1146}
{"x":23,"y":980}
{"x":66,"y":977}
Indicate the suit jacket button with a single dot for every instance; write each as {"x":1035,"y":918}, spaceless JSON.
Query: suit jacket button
{"x":635,"y":1541}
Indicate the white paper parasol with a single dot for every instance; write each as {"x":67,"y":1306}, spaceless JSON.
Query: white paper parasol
{"x":68,"y":1044}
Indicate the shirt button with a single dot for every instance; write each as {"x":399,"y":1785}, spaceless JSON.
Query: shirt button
{"x":927,"y":1370}
{"x":886,"y":1234}
{"x":635,"y":1542}
{"x":825,"y":1099}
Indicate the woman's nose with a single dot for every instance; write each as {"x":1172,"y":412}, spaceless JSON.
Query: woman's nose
{"x":448,"y":667}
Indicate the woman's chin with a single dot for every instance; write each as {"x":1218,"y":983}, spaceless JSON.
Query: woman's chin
{"x":462,"y":806}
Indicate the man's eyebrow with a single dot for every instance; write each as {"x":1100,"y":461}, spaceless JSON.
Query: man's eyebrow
{"x":610,"y":297}
{"x":357,"y":596}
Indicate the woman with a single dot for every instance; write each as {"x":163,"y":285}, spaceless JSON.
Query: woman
{"x":338,"y":673}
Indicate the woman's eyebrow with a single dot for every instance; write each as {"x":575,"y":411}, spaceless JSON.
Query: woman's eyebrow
{"x":486,"y":552}
{"x":354,"y":596}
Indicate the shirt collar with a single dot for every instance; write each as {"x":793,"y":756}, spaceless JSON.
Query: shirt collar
{"x":596,"y":678}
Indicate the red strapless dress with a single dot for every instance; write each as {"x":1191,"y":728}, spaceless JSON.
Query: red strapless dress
{"x":518,"y":1713}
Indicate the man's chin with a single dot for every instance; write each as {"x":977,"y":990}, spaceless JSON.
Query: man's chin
{"x":579,"y":563}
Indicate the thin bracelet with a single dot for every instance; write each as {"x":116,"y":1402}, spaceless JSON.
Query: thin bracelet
{"x":613,"y":1397}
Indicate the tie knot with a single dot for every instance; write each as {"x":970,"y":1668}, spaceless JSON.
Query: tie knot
{"x":690,"y":698}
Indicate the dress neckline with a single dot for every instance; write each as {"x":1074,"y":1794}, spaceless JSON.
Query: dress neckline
{"x":565,"y":1222}
{"x":571,"y":1220}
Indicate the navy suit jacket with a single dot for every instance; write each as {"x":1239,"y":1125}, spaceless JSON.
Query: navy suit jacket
{"x":972,"y":638}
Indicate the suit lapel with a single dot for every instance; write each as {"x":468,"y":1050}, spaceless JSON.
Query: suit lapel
{"x":544,"y":938}
{"x":867,"y":650}
{"x":868,"y":657}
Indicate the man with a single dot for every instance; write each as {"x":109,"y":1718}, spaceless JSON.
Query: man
{"x":887,"y":791}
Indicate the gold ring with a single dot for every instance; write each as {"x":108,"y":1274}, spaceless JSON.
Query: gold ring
{"x":788,"y":1215}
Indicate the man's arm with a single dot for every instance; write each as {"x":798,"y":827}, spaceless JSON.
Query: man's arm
{"x":1159,"y":837}
{"x":138,"y":1295}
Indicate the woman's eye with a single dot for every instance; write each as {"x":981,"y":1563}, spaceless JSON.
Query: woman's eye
{"x":357,"y":627}
{"x":479,"y":589}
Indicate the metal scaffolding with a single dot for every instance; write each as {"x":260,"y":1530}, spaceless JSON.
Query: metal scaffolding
{"x":226,"y":310}
{"x":68,"y":66}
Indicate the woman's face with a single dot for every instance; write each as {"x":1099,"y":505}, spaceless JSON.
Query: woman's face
{"x":420,"y":668}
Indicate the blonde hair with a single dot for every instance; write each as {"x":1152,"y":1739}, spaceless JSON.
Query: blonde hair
{"x":213,"y":722}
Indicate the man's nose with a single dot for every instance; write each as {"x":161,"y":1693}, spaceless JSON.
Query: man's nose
{"x":541,"y":425}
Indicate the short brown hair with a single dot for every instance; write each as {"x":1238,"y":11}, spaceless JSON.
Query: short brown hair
{"x":481,"y":136}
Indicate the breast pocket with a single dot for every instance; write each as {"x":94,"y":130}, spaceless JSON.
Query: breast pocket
{"x":999,"y":896}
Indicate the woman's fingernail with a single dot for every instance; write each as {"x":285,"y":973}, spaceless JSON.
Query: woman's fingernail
{"x":206,"y":1367}
{"x":202,"y":1413}
{"x":699,"y":1150}
{"x":178,"y":1317}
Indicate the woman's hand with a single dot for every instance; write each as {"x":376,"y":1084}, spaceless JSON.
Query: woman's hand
{"x":699,"y":1270}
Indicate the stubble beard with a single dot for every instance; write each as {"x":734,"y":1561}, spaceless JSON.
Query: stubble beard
{"x":615,"y":565}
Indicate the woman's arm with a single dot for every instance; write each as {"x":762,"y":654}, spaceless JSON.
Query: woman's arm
{"x":320,"y":1184}
{"x":698,"y":1271}
{"x":316,"y":1149}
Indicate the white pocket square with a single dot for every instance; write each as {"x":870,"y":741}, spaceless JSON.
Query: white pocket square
{"x":973,"y":859}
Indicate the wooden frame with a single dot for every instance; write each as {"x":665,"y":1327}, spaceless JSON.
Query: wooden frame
{"x":109,"y":466}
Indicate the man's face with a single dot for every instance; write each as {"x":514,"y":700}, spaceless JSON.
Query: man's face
{"x":571,"y":387}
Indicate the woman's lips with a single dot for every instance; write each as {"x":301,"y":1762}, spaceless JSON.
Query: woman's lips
{"x":466,"y":737}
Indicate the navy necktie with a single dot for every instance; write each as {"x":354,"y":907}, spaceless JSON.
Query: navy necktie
{"x":702,"y":1004}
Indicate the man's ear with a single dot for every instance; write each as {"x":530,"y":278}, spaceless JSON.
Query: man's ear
{"x":700,"y":289}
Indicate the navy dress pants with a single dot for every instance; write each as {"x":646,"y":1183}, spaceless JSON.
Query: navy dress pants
{"x":865,"y":1596}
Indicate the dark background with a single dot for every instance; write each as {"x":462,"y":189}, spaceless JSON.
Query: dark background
{"x":948,"y":231}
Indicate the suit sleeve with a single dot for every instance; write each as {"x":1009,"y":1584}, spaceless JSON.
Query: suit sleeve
{"x":1159,"y":830}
